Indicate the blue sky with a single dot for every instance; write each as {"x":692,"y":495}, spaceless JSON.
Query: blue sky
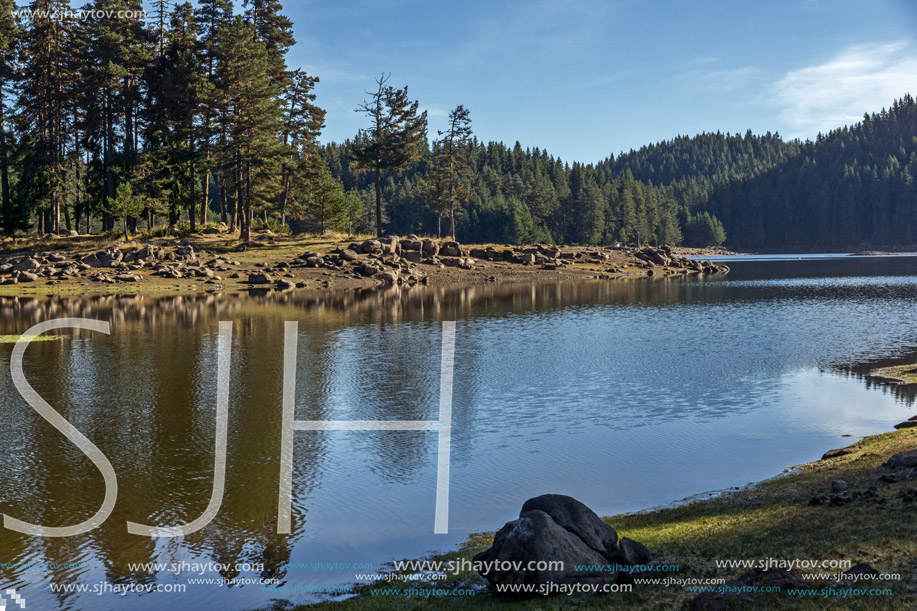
{"x":585,"y":78}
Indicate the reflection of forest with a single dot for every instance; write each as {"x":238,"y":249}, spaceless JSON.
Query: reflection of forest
{"x":146,"y":396}
{"x":907,"y":393}
{"x":342,"y":307}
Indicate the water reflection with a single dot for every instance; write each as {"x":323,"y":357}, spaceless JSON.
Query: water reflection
{"x":625,"y":394}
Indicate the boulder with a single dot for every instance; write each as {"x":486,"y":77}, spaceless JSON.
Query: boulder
{"x":259,"y":278}
{"x":389,"y":277}
{"x":535,"y":536}
{"x":349,"y":255}
{"x":838,"y":452}
{"x":633,"y":552}
{"x":430,"y":248}
{"x":27,"y":277}
{"x":284,"y":285}
{"x":905,"y":459}
{"x":371,"y":246}
{"x":451,"y":249}
{"x":575,"y":517}
{"x":368,"y":270}
{"x":26,"y":265}
{"x":315,"y":262}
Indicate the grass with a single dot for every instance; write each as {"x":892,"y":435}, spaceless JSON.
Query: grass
{"x":770,"y":520}
{"x":12,"y":339}
{"x":901,"y":374}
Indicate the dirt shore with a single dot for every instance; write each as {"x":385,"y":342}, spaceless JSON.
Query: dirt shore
{"x":209,"y":262}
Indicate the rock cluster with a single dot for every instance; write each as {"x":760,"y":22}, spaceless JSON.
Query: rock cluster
{"x":558,"y":529}
{"x":114,"y":265}
{"x":379,"y":259}
{"x":664,"y":257}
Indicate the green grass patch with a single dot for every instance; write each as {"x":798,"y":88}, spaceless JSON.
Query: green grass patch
{"x":770,"y":520}
{"x":12,"y":339}
{"x":900,"y":374}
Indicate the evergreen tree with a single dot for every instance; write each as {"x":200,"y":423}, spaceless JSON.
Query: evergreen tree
{"x":450,"y":174}
{"x":254,"y":121}
{"x":11,"y":218}
{"x":395,"y":139}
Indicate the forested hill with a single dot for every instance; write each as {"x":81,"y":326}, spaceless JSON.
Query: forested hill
{"x":851,"y":189}
{"x":694,"y":166}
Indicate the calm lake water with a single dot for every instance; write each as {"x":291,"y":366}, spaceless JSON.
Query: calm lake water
{"x":624,"y":395}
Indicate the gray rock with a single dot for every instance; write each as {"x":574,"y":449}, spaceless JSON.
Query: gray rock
{"x":451,"y":249}
{"x":26,"y":265}
{"x":260,"y":278}
{"x":127,"y":278}
{"x":349,"y":255}
{"x":575,"y":517}
{"x":903,"y":459}
{"x":838,"y":452}
{"x":315,"y":262}
{"x":371,"y":246}
{"x":285,"y":285}
{"x":535,"y":536}
{"x":27,"y":277}
{"x":633,"y":552}
{"x":838,"y":485}
{"x":389,"y":277}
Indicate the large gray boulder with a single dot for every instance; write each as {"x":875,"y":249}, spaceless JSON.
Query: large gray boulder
{"x":536,"y":538}
{"x":578,"y":519}
{"x":554,"y":527}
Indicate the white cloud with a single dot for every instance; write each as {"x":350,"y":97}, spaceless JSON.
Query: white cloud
{"x":863,"y":78}
{"x":712,"y":76}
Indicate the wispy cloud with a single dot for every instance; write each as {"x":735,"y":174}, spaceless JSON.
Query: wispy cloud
{"x":863,"y":78}
{"x":708,"y":73}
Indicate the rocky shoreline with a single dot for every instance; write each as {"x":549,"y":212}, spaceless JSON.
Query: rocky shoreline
{"x":273,"y":263}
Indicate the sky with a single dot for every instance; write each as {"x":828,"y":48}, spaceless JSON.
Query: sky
{"x":587,"y":78}
{"x":584,"y":79}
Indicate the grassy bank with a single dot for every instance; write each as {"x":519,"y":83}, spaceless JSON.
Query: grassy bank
{"x":774,"y":519}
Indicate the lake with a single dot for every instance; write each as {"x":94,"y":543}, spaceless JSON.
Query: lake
{"x":623,"y":394}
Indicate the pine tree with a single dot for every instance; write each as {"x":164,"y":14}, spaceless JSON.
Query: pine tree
{"x":254,"y":122}
{"x":450,"y":174}
{"x":397,"y":136}
{"x":211,"y":15}
{"x":9,"y":47}
{"x":303,"y":122}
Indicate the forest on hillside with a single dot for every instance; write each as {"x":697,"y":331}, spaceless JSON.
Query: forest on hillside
{"x":177,"y":120}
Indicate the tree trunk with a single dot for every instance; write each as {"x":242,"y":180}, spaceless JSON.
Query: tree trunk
{"x":192,"y":201}
{"x":205,"y":201}
{"x":378,"y":203}
{"x":4,"y":165}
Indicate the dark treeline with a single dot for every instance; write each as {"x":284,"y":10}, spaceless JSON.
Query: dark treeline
{"x":182,"y":116}
{"x":852,"y":188}
{"x":693,"y":168}
{"x":524,"y":195}
{"x":118,"y":121}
